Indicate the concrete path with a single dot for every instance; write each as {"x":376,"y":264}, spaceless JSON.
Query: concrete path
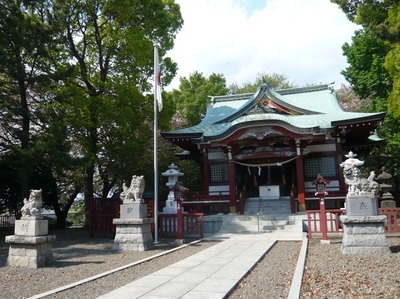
{"x":211,"y":273}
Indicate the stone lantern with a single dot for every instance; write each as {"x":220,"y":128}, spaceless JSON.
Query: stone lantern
{"x":385,"y":186}
{"x":173,"y":173}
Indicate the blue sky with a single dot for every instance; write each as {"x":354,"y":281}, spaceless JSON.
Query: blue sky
{"x":301,"y":39}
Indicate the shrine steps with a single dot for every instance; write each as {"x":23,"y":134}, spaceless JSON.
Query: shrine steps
{"x":268,"y":206}
{"x":282,"y":224}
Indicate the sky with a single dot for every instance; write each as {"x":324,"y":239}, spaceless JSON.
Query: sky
{"x":301,"y":39}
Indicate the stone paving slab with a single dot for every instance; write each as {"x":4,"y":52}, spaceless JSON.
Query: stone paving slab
{"x":209,"y":274}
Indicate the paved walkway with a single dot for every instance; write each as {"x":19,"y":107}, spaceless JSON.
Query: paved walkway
{"x":209,"y":274}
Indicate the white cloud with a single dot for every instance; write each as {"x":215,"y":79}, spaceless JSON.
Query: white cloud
{"x":301,"y":39}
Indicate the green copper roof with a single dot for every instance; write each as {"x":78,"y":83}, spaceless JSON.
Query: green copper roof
{"x":309,"y":109}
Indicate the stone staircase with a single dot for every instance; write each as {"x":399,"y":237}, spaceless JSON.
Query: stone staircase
{"x":267,"y":206}
{"x":270,"y":215}
{"x":240,"y":224}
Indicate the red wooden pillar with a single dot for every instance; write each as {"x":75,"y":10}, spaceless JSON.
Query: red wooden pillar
{"x":232,"y":185}
{"x":322,"y":218}
{"x":300,"y":179}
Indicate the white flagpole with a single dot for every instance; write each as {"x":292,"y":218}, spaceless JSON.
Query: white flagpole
{"x":156,"y":67}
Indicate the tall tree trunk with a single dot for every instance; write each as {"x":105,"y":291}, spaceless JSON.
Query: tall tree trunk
{"x":88,"y":191}
{"x":90,"y":168}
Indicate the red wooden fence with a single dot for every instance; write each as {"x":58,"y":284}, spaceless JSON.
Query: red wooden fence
{"x":102,"y":211}
{"x":335,"y":226}
{"x":192,"y":224}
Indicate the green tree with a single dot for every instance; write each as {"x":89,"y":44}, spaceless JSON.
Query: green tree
{"x":377,"y":48}
{"x":277,"y":81}
{"x":374,"y":68}
{"x":366,"y":72}
{"x":193,"y":95}
{"x":109,"y":47}
{"x":26,"y":40}
{"x":392,"y":59}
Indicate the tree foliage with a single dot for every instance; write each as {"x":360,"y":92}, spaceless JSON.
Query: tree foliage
{"x":24,"y":61}
{"x":75,"y":82}
{"x":277,"y":81}
{"x":376,"y":46}
{"x":374,"y":70}
{"x":193,"y":95}
{"x":366,"y":71}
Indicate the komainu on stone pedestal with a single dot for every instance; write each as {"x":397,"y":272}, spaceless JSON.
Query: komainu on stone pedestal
{"x":30,"y":246}
{"x":363,"y":227}
{"x":133,"y":228}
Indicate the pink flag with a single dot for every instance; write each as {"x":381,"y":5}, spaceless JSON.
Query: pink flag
{"x":157,"y":80}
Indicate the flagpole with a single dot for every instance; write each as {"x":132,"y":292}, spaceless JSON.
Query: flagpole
{"x":156,"y":66}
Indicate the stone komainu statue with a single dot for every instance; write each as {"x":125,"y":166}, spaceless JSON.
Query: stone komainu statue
{"x":135,"y":191}
{"x":33,"y":206}
{"x":357,"y":183}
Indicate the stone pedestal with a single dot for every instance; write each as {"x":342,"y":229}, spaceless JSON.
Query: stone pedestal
{"x":133,"y":229}
{"x":31,"y":245}
{"x":133,"y":234}
{"x":364,"y":234}
{"x":363,"y":227}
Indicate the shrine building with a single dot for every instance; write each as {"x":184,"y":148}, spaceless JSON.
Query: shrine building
{"x":274,"y":143}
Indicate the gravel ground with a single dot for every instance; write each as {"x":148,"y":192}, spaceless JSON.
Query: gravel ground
{"x":328,"y":273}
{"x":263,"y":283}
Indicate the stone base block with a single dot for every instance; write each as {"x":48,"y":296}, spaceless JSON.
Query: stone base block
{"x":133,"y":211}
{"x":364,"y":234}
{"x":133,"y":234}
{"x":367,"y":240}
{"x":30,"y":252}
{"x":31,"y":227}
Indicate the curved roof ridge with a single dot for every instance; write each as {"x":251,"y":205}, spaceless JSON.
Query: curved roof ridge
{"x":303,"y":89}
{"x":230,"y":97}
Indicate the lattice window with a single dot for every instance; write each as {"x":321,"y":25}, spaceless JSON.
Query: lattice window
{"x":326,"y":166}
{"x":219,"y":173}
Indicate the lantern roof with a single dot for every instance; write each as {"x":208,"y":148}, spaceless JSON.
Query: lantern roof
{"x":172,"y":171}
{"x":320,"y":179}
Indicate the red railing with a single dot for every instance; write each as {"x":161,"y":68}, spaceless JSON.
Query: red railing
{"x":334,"y":224}
{"x":192,"y":224}
{"x":391,"y":225}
